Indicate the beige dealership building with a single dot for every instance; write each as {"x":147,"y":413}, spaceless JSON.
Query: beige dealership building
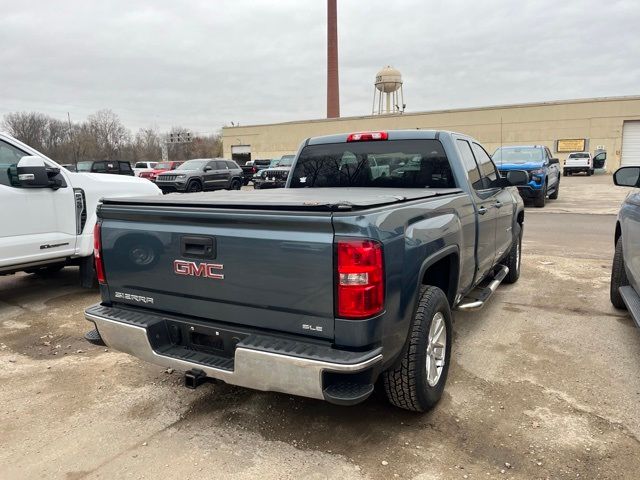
{"x":611,"y":124}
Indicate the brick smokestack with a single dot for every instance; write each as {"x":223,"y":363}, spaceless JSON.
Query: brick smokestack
{"x":333,"y":87}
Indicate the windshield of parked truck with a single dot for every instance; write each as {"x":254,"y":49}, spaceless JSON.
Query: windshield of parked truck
{"x":379,"y":164}
{"x":518,"y":155}
{"x":193,"y":165}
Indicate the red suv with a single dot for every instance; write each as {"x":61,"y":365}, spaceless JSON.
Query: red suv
{"x":160,"y":168}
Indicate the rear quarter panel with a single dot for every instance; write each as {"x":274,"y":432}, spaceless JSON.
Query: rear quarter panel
{"x":411,"y":234}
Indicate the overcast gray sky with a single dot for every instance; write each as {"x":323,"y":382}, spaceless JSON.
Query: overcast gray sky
{"x":203,"y":64}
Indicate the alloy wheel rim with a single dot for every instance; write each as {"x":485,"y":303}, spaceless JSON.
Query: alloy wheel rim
{"x":436,"y":349}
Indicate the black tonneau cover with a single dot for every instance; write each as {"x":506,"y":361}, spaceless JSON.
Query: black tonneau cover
{"x":319,"y":199}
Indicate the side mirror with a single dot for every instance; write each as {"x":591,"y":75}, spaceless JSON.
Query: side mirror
{"x":32,"y":172}
{"x":554,"y":161}
{"x":627,"y":177}
{"x":514,"y":178}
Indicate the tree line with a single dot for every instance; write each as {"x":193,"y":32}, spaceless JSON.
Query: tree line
{"x":102,"y":136}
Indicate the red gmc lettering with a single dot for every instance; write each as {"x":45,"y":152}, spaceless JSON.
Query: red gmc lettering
{"x":193,"y":269}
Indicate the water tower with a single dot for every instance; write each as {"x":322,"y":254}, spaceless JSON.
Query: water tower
{"x":387,"y":93}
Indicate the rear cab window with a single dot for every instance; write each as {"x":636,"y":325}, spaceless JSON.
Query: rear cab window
{"x":377,"y":164}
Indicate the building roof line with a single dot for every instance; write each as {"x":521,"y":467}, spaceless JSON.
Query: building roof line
{"x":448,"y":110}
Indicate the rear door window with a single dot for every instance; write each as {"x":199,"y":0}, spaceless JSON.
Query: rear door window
{"x":220,"y":165}
{"x":231,"y":165}
{"x":380,"y":164}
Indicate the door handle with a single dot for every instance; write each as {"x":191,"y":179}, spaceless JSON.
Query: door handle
{"x":498,"y":204}
{"x":482,"y":210}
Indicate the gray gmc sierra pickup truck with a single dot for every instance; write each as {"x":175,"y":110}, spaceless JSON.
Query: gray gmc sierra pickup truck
{"x":345,"y":277}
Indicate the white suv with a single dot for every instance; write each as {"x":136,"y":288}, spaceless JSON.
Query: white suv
{"x":578,"y":162}
{"x":48,"y":212}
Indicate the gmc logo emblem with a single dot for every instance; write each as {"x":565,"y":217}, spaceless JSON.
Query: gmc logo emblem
{"x":193,"y":269}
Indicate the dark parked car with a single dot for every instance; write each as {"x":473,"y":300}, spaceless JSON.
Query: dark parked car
{"x":353,"y":273}
{"x":544,"y":170}
{"x":625,"y":273}
{"x":202,"y":174}
{"x":276,"y":175}
{"x":117,"y":167}
{"x":251,"y":168}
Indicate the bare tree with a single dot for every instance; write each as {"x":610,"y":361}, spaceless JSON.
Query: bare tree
{"x":148,"y":145}
{"x":28,"y":127}
{"x":109,"y":133}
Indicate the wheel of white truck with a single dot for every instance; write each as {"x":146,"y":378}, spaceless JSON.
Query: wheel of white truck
{"x":514,"y":259}
{"x":618,"y":277}
{"x":417,"y":379}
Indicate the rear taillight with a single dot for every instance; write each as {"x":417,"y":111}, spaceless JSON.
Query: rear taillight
{"x":367,"y":136}
{"x":254,"y":170}
{"x":360,"y":278}
{"x":97,"y":254}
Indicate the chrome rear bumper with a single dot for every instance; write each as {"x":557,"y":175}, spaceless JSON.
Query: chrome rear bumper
{"x":252,"y":367}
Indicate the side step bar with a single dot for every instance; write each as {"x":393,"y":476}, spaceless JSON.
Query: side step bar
{"x":632,"y":301}
{"x":476,"y":299}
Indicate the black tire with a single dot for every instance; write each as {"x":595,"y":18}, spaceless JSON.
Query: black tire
{"x":235,"y":184}
{"x":514,"y":259}
{"x":194,"y":186}
{"x":541,"y":198}
{"x":564,"y":173}
{"x":245,"y":182}
{"x":554,"y":195}
{"x":406,"y":383}
{"x":88,"y":277}
{"x":618,"y":277}
{"x":589,"y":173}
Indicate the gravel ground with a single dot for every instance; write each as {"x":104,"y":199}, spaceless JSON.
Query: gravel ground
{"x":544,"y":384}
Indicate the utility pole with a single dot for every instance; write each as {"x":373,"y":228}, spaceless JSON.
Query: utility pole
{"x":73,"y":143}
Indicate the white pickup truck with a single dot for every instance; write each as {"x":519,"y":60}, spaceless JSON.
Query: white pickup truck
{"x":48,"y":212}
{"x":577,"y":162}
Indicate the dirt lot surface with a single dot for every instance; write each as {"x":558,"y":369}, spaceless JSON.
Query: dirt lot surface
{"x":544,"y":384}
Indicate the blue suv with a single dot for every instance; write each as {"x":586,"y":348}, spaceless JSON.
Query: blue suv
{"x":543,"y":168}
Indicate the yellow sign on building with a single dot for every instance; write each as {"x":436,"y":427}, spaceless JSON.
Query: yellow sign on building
{"x":571,"y":145}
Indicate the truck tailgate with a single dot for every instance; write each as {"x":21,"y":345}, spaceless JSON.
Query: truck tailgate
{"x":265,"y":269}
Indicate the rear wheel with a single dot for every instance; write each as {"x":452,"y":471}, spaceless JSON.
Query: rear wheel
{"x":194,"y":186}
{"x":589,"y":172}
{"x":618,"y":277}
{"x":541,"y":198}
{"x":417,"y":379}
{"x":592,"y":171}
{"x":564,"y":173}
{"x":235,"y":184}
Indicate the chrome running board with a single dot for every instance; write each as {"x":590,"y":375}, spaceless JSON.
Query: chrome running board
{"x":476,"y":299}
